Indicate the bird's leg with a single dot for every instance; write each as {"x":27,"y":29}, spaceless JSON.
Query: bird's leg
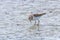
{"x":38,"y":24}
{"x":35,"y":22}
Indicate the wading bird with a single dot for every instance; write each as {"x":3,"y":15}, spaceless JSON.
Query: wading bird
{"x":35,"y":17}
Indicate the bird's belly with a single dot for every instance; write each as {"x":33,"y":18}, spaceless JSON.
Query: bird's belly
{"x":36,"y":18}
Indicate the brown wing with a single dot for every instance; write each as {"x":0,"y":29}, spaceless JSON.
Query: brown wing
{"x":39,"y":14}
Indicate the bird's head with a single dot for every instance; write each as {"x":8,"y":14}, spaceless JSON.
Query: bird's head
{"x":30,"y":17}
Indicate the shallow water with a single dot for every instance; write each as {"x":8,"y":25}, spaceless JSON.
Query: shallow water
{"x":14,"y":23}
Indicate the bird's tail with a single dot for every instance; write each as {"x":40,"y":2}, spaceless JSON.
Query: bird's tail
{"x":42,"y":14}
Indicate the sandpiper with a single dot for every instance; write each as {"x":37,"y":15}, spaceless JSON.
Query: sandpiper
{"x":35,"y":17}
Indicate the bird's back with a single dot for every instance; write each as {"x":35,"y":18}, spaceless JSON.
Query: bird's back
{"x":37,"y":15}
